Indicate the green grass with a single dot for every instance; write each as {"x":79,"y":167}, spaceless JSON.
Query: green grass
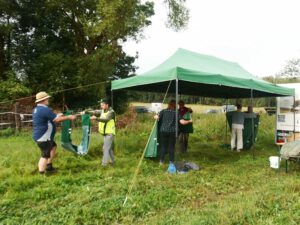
{"x":230,"y":188}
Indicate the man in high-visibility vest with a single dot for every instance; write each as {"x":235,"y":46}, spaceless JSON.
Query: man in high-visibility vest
{"x":107,"y":128}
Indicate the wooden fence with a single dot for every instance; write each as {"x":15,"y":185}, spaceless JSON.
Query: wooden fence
{"x":17,"y":115}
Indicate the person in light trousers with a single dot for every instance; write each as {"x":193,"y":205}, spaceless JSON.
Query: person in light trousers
{"x":107,"y":129}
{"x":238,"y":118}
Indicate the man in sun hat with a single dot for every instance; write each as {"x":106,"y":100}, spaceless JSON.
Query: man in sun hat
{"x":44,"y":120}
{"x":106,"y":118}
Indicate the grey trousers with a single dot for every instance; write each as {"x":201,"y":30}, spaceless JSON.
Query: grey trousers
{"x":108,"y":145}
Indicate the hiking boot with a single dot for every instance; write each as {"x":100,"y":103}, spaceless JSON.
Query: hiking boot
{"x":51,"y":170}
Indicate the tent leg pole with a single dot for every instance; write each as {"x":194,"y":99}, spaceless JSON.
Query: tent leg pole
{"x":112,"y":99}
{"x":226,"y":121}
{"x":176,"y":95}
{"x":294,"y":117}
{"x":252,"y":126}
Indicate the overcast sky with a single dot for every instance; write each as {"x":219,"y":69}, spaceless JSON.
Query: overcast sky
{"x":260,"y":35}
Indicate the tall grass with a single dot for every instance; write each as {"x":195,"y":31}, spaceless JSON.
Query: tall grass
{"x":230,"y":188}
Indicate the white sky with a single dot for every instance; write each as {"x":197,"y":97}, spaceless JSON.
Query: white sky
{"x":260,"y":35}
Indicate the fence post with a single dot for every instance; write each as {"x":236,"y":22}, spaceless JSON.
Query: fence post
{"x":17,"y":117}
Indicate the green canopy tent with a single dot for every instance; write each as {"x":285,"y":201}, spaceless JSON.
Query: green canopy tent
{"x":196,"y":74}
{"x":202,"y":75}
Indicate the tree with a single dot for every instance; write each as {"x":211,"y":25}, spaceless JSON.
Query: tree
{"x":12,"y":88}
{"x":10,"y":85}
{"x":291,"y":70}
{"x":178,"y":14}
{"x":6,"y":26}
{"x":66,"y":43}
{"x":57,"y":44}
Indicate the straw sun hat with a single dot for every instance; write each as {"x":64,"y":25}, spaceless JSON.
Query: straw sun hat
{"x":41,"y":96}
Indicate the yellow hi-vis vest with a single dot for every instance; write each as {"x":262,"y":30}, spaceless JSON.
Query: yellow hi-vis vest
{"x":108,"y":127}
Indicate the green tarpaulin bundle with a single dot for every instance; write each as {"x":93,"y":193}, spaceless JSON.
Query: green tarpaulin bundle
{"x":66,"y":141}
{"x":152,"y":145}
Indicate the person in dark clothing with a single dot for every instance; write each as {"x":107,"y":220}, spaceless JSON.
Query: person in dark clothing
{"x":184,"y":130}
{"x":167,"y":118}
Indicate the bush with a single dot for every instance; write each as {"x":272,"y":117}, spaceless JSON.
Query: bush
{"x":7,"y":132}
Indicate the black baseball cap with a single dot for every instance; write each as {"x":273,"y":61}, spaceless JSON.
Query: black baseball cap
{"x":105,"y":101}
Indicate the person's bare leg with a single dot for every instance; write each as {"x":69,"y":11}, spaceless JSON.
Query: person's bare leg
{"x":42,"y":164}
{"x":49,"y":167}
{"x":52,"y":154}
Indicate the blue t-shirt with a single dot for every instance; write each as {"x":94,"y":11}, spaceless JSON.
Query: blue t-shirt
{"x":43,"y":126}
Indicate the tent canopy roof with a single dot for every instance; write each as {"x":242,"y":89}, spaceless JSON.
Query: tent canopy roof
{"x":201,"y":75}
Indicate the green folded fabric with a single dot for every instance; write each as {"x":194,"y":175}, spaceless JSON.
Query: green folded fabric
{"x":66,"y":132}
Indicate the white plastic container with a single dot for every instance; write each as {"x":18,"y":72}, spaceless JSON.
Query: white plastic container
{"x":274,"y":162}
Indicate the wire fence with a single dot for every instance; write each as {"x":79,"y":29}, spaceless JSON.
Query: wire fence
{"x":19,"y":117}
{"x":17,"y":113}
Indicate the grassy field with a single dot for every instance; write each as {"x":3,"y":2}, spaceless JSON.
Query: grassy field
{"x":231,"y":188}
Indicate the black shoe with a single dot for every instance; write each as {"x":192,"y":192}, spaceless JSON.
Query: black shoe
{"x":51,"y":170}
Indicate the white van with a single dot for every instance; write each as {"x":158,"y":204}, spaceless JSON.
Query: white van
{"x":288,"y":116}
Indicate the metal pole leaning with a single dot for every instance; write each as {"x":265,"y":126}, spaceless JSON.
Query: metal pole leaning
{"x":252,"y":126}
{"x":138,"y":167}
{"x":133,"y":181}
{"x":176,"y":95}
{"x":112,"y":98}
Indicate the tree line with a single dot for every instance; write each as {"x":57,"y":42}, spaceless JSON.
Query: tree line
{"x":53,"y":45}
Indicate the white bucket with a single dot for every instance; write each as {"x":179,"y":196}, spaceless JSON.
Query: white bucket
{"x":274,"y":162}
